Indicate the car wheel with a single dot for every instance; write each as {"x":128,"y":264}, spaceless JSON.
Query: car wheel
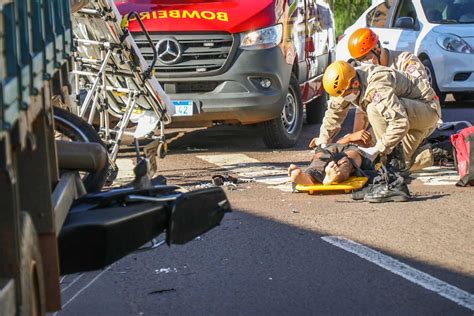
{"x":315,"y":109}
{"x":463,"y":96}
{"x":283,"y":131}
{"x":432,"y":78}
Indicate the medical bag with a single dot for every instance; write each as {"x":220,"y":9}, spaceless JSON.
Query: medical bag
{"x":463,"y":144}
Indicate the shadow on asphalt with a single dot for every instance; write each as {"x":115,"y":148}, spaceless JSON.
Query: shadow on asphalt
{"x":248,"y":138}
{"x":420,"y":198}
{"x":252,"y":265}
{"x":241,"y":138}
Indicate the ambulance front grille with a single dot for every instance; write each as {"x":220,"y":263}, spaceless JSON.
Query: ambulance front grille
{"x":202,"y":54}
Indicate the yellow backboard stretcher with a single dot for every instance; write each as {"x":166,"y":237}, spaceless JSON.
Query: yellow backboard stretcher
{"x":351,"y":184}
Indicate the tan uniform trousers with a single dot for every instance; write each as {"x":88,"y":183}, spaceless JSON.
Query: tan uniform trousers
{"x":422,"y":118}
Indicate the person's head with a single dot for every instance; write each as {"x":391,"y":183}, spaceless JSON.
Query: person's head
{"x":364,"y":46}
{"x":340,"y":80}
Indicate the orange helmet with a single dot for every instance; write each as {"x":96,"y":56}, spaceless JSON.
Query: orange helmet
{"x":362,"y":41}
{"x":337,"y":77}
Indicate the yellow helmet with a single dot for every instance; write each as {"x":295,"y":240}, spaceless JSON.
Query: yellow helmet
{"x":337,"y":77}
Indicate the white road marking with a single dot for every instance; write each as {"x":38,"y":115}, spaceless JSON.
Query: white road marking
{"x":413,"y":275}
{"x":250,"y":168}
{"x":277,"y":177}
{"x":437,"y":176}
{"x":84,"y":288}
{"x":72,"y":283}
{"x":126,"y":175}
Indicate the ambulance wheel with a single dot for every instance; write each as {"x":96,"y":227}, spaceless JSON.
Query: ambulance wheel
{"x":283,"y":131}
{"x":432,"y":78}
{"x":31,"y":268}
{"x":315,"y":109}
{"x":70,"y":127}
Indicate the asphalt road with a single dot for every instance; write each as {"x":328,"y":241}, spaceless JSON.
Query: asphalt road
{"x":275,"y":254}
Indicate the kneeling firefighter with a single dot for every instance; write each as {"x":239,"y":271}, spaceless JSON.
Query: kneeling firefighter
{"x":364,"y":46}
{"x":401,"y":109}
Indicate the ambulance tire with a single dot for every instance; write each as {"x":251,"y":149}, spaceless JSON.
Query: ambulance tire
{"x":283,"y":131}
{"x":76,"y":129}
{"x":432,"y":77}
{"x":31,"y":270}
{"x":315,"y":109}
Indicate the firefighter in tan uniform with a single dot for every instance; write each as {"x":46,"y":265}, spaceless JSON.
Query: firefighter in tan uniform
{"x":400,"y":108}
{"x":364,"y":46}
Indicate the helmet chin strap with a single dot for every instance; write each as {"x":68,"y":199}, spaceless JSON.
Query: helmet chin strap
{"x":379,"y":55}
{"x":379,"y":58}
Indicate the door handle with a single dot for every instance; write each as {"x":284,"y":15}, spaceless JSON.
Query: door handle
{"x":386,"y":42}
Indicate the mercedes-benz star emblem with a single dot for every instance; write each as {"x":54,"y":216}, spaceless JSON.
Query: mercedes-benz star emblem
{"x":169,"y":51}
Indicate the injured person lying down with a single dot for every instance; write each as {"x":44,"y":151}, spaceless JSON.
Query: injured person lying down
{"x":333,"y":164}
{"x":337,"y":162}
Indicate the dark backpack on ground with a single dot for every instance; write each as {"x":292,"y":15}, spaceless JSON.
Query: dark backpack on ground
{"x":440,"y":142}
{"x":463,"y":143}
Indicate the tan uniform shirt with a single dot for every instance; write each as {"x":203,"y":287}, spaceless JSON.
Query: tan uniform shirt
{"x":408,"y":63}
{"x":405,"y":62}
{"x":381,"y":87}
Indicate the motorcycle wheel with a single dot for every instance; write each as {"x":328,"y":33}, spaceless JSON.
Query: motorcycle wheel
{"x":70,"y":127}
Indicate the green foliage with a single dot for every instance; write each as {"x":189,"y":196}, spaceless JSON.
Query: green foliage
{"x":346,"y":12}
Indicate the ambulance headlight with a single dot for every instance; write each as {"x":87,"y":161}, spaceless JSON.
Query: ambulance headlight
{"x":453,"y":43}
{"x":263,"y":38}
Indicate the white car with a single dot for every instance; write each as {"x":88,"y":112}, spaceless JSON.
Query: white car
{"x":439,"y":32}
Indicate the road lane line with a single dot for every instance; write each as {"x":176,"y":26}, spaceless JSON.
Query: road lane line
{"x":84,"y":288}
{"x":437,"y":176}
{"x":277,"y":177}
{"x":250,"y":168}
{"x":72,"y":283}
{"x":413,"y":275}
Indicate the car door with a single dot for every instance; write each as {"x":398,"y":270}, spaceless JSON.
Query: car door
{"x":313,"y":46}
{"x":406,"y":33}
{"x":379,"y":20}
{"x":297,"y":28}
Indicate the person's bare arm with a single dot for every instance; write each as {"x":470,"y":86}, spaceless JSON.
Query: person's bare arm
{"x":360,"y":138}
{"x":337,"y":111}
{"x":360,"y":121}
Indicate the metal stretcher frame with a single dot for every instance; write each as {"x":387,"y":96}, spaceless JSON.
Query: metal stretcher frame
{"x":119,"y":82}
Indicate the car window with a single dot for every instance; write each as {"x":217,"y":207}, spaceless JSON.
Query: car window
{"x":377,"y":17}
{"x":406,"y":10}
{"x":324,"y":16}
{"x":449,"y":11}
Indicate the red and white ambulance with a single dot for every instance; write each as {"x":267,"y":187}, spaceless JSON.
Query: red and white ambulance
{"x":240,"y":61}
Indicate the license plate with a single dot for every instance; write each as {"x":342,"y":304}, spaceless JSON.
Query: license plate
{"x":183,"y":107}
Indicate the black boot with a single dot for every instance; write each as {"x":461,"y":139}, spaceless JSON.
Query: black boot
{"x":391,"y":187}
{"x":375,"y":178}
{"x":396,"y":159}
{"x":394,"y":172}
{"x":358,"y":195}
